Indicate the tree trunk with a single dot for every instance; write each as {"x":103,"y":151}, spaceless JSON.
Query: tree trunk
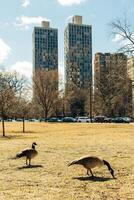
{"x":3,"y":127}
{"x":46,"y":114}
{"x":63,"y":110}
{"x":23,"y":125}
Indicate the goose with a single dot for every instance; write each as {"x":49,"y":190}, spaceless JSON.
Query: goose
{"x":90,"y":162}
{"x":28,"y":153}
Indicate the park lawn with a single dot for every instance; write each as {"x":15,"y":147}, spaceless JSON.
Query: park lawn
{"x":58,"y":144}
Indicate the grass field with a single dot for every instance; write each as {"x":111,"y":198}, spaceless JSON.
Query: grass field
{"x":58,"y":144}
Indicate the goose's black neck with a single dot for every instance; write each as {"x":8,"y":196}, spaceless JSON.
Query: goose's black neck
{"x":109,"y":168}
{"x":33,"y":146}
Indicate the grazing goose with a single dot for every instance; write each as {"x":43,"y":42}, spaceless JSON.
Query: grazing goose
{"x":91,"y":162}
{"x":28,"y":153}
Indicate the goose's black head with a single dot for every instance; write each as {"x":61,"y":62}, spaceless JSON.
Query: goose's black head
{"x":112,"y":172}
{"x":33,"y":145}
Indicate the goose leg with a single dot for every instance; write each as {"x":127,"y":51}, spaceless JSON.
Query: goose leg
{"x":26,"y":161}
{"x":91,"y":172}
{"x":29,"y":161}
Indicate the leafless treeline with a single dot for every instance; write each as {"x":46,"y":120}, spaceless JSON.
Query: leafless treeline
{"x":113,"y":94}
{"x":47,"y":100}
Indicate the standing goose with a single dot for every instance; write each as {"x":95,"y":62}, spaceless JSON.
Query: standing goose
{"x":28,"y":153}
{"x":91,"y":162}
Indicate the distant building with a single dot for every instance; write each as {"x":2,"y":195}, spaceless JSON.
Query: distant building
{"x":45,"y":47}
{"x":106,"y":62}
{"x":78,"y":54}
{"x":130,"y":69}
{"x":112,"y":83}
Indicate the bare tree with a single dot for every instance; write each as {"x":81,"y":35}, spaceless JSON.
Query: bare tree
{"x":46,"y":90}
{"x":23,"y":108}
{"x":75,"y":102}
{"x":78,"y":96}
{"x":65,"y":102}
{"x":120,"y":28}
{"x":11,"y":87}
{"x":113,"y":94}
{"x":78,"y":102}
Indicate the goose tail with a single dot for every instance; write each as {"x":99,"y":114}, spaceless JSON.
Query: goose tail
{"x":19,"y":155}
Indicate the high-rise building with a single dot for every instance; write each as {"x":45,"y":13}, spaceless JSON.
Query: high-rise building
{"x":112,"y":84}
{"x":78,"y":54}
{"x":45,"y":47}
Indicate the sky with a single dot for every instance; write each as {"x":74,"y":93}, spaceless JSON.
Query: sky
{"x":18,"y":17}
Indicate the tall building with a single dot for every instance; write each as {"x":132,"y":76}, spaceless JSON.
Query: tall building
{"x":45,"y":47}
{"x":130,"y":69}
{"x":78,"y":54}
{"x":112,"y":84}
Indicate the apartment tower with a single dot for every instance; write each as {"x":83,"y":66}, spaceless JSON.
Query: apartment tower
{"x":45,"y":47}
{"x":78,"y":54}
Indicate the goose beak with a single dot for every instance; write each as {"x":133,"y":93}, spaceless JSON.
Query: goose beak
{"x":72,"y":163}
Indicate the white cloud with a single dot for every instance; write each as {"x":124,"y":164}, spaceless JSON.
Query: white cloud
{"x":117,"y":38}
{"x":5,"y":50}
{"x":120,"y":40}
{"x":26,"y":22}
{"x":22,"y":67}
{"x":70,"y":2}
{"x":69,"y":18}
{"x":25,"y":3}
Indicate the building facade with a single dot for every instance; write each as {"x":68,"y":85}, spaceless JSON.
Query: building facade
{"x":109,"y":63}
{"x":112,"y":86}
{"x":45,"y":47}
{"x":78,"y":54}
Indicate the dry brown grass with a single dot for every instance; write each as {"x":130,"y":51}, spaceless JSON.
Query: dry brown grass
{"x":58,"y":144}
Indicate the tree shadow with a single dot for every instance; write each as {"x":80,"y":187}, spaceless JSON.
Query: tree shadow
{"x":19,"y":136}
{"x":30,"y":166}
{"x":27,"y":131}
{"x":11,"y":137}
{"x":94,"y":179}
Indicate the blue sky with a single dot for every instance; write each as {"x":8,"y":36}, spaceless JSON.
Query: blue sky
{"x":18,"y":17}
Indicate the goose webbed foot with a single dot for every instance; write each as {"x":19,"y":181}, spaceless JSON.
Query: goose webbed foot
{"x":90,"y":173}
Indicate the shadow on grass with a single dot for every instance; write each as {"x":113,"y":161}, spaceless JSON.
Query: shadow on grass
{"x":12,"y":137}
{"x":26,"y":132}
{"x":30,"y":166}
{"x":94,"y":179}
{"x":19,"y":136}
